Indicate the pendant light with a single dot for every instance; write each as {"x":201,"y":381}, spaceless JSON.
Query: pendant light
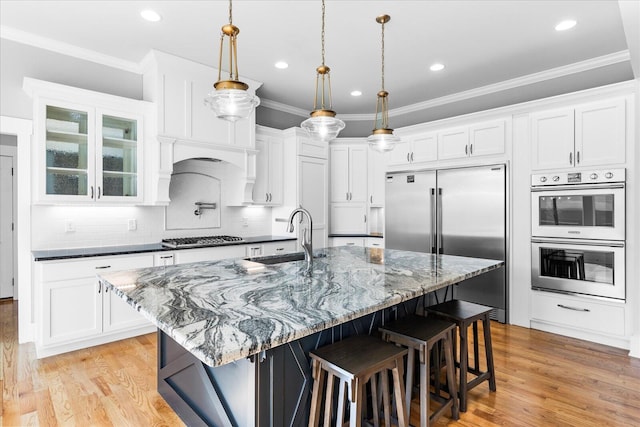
{"x":229,"y":99}
{"x":323,"y":124}
{"x":382,"y":139}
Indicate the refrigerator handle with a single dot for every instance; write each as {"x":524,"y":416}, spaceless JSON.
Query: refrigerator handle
{"x":434,"y":242}
{"x":439,"y":224}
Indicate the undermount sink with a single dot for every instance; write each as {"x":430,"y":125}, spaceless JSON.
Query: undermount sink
{"x":277,"y":259}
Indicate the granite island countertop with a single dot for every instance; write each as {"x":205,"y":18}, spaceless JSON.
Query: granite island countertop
{"x":221,"y":312}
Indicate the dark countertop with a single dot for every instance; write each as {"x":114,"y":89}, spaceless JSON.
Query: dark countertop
{"x":57,"y":254}
{"x":378,"y":235}
{"x":222,"y":311}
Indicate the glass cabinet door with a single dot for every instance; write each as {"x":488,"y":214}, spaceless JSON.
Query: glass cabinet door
{"x":119,"y":157}
{"x":67,"y":151}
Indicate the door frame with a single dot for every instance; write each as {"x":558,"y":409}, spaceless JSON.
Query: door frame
{"x":23,"y":130}
{"x":11,"y":151}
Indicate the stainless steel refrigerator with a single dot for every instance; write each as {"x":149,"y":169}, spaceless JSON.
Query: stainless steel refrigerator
{"x":458,"y":211}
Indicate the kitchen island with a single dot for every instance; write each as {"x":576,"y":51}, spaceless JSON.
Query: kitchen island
{"x":233,"y":337}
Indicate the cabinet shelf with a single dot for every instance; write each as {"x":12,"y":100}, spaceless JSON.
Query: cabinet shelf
{"x":118,"y":142}
{"x":66,"y":171}
{"x":59,"y":136}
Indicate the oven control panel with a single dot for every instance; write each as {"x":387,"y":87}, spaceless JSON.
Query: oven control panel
{"x":578,"y":177}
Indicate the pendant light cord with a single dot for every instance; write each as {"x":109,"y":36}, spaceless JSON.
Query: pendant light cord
{"x":322,"y":33}
{"x":230,"y":12}
{"x":382,"y":56}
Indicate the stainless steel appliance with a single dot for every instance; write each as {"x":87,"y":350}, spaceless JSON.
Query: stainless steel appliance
{"x":456,"y":212}
{"x":200,"y":242}
{"x":578,"y":233}
{"x":584,"y":205}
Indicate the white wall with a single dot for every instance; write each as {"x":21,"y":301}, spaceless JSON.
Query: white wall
{"x":97,"y":226}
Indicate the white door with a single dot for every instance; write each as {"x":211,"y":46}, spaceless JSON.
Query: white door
{"x":6,"y":227}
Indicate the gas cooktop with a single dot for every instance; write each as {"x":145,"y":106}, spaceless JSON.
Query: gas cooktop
{"x":200,"y":242}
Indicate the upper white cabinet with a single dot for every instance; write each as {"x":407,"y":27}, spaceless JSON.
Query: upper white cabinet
{"x":349,"y":173}
{"x":178,"y":87}
{"x":268,"y":187}
{"x":377,"y":171}
{"x":481,"y":139}
{"x":88,"y":146}
{"x":414,"y":149}
{"x":587,"y":135}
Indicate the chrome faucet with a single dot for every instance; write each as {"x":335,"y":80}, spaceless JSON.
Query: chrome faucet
{"x":307,"y":236}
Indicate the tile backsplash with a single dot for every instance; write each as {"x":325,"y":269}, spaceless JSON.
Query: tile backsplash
{"x":93,"y":226}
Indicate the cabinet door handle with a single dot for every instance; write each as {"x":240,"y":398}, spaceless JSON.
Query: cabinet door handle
{"x":102,"y":267}
{"x":578,"y":158}
{"x":346,"y":196}
{"x":466,"y":150}
{"x":166,"y":257}
{"x":99,"y":192}
{"x":412,"y":157}
{"x":92,"y":191}
{"x":408,"y":157}
{"x":570,"y":158}
{"x":350,"y":244}
{"x":279,"y":249}
{"x":99,"y":287}
{"x":371,"y":198}
{"x":573,"y":308}
{"x":365,"y":218}
{"x":471,"y":150}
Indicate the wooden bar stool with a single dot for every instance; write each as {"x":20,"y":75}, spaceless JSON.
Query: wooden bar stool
{"x":421,"y":334}
{"x":355,"y":361}
{"x":463,"y":314}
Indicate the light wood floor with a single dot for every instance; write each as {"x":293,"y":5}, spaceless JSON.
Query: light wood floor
{"x":542,"y":380}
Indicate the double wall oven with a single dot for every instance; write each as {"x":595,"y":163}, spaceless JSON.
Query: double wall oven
{"x":578,"y":233}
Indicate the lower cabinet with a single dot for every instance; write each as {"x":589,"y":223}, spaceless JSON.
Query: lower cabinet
{"x":348,"y":241}
{"x":348,"y":218}
{"x":76,"y":311}
{"x":271,"y":248}
{"x":590,"y":319}
{"x":184,"y":256}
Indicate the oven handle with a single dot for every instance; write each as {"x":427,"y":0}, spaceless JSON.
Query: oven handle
{"x":577,"y":187}
{"x":609,"y":243}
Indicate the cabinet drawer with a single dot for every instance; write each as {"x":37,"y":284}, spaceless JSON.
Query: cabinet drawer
{"x":88,"y":267}
{"x":579,"y":313}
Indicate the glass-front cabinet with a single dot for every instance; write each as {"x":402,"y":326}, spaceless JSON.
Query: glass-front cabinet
{"x":90,"y":154}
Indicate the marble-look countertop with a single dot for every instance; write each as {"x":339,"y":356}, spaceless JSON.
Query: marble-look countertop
{"x":222,"y":312}
{"x":58,"y":254}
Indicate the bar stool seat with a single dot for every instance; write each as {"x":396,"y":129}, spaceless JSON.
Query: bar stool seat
{"x":355,"y":361}
{"x":464,"y":314}
{"x":421,"y":334}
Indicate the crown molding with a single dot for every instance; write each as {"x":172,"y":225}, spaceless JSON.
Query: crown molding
{"x":577,"y":67}
{"x":30,"y":39}
{"x":279,"y":106}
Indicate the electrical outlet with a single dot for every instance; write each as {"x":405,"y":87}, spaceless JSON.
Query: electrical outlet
{"x":245,"y":221}
{"x":69,"y":227}
{"x":132,"y":225}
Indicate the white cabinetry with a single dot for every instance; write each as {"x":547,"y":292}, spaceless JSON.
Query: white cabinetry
{"x":585,"y":318}
{"x":77,"y":311}
{"x":306,"y":184}
{"x":415,"y":149}
{"x":349,"y":176}
{"x":89,"y":145}
{"x":271,"y":248}
{"x":348,"y":241}
{"x":587,"y":135}
{"x":377,"y":171}
{"x":184,"y":256}
{"x":268,"y":187}
{"x":479,"y":139}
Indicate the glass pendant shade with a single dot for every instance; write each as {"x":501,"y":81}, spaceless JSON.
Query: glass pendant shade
{"x":229,"y":99}
{"x":382,"y":139}
{"x":323,"y":125}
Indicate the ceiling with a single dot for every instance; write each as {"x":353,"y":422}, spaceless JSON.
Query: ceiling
{"x":481,"y":43}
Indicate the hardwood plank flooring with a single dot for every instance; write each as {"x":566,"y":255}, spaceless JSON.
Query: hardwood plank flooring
{"x":542,"y":379}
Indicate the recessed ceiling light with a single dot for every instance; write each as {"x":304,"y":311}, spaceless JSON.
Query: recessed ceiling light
{"x":356,"y":93}
{"x":566,"y":25}
{"x":150,"y":15}
{"x":281,"y":65}
{"x":436,"y":67}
